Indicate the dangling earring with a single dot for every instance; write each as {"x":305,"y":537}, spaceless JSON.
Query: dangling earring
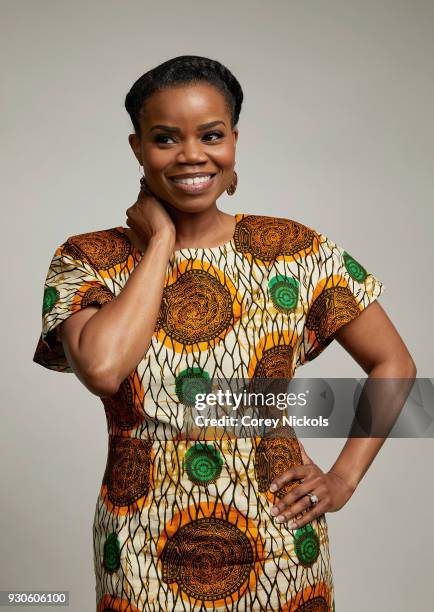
{"x":233,"y":186}
{"x":143,"y":184}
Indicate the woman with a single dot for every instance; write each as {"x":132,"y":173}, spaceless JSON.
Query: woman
{"x":188,"y":292}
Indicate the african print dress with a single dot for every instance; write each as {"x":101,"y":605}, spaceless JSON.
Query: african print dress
{"x":182,"y":524}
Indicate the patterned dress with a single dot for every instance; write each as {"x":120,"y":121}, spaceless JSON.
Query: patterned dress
{"x":183,"y":524}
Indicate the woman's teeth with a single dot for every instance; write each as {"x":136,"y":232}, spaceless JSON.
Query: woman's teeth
{"x":192,"y":181}
{"x":192,"y":185}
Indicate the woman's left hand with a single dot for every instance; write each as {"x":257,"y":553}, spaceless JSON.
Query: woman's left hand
{"x":330,"y":488}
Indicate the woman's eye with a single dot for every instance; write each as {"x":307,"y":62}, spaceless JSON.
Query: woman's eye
{"x":160,"y":137}
{"x":218,"y":134}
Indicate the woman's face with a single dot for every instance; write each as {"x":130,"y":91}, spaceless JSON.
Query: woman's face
{"x":187,"y":147}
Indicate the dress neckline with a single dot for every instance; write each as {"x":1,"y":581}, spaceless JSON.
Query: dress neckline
{"x":228,"y":246}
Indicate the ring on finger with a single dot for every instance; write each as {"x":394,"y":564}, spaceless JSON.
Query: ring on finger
{"x":313,"y":498}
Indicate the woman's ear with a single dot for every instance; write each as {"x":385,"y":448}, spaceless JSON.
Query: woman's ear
{"x":134,"y":141}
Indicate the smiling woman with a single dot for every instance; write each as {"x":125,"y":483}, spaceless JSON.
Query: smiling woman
{"x":181,"y":154}
{"x":183,"y":295}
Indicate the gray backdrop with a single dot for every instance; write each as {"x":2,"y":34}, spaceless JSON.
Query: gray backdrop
{"x":336,"y":132}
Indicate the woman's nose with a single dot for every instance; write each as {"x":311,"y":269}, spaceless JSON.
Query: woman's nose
{"x":192,"y":151}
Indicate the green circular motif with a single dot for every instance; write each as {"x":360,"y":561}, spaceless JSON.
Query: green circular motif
{"x":112,"y":553}
{"x":191,"y":382}
{"x":306,"y":543}
{"x":51,"y":295}
{"x":203,"y":463}
{"x":355,"y":270}
{"x":284,"y":292}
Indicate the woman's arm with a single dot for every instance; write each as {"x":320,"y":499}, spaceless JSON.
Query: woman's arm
{"x":104,"y":345}
{"x":372,"y":340}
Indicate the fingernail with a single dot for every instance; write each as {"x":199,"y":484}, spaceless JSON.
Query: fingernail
{"x":280,"y":518}
{"x":292,"y":525}
{"x":273,"y":488}
{"x":274,"y":510}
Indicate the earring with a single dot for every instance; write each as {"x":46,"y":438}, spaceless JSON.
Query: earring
{"x":233,"y":186}
{"x":143,"y":184}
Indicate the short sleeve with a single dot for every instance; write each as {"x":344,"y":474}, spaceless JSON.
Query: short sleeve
{"x":340,"y":289}
{"x":71,"y":284}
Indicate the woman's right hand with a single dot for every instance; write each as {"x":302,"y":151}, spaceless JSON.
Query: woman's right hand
{"x":148,"y":218}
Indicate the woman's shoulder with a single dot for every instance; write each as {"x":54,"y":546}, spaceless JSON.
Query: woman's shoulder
{"x":277,"y":221}
{"x":102,"y":248}
{"x":270,"y":236}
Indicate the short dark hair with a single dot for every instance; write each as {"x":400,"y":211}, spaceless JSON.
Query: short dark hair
{"x":182,"y":70}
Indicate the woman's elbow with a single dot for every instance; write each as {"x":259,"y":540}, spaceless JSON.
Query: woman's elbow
{"x":103,"y":383}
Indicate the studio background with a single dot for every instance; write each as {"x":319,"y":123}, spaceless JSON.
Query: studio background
{"x":336,"y":132}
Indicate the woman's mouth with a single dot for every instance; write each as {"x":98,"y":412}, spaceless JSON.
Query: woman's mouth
{"x":193,"y":185}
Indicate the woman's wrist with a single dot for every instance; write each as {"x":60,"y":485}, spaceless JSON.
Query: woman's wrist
{"x":351,"y":481}
{"x":162,"y":240}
